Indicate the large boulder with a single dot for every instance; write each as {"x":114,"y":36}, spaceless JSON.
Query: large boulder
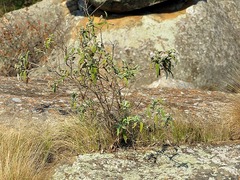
{"x":205,"y":34}
{"x":123,"y":5}
{"x":26,"y":29}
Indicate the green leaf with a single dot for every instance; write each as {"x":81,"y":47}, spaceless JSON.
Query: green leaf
{"x":134,"y":125}
{"x":125,"y":120}
{"x":94,"y":49}
{"x":94,"y":71}
{"x":157,"y":67}
{"x":81,"y":60}
{"x":125,"y":137}
{"x":118,"y":131}
{"x":25,"y":60}
{"x":24,"y":75}
{"x":141,"y":126}
{"x":124,"y":127}
{"x":163,"y":114}
{"x":149,"y":112}
{"x":54,"y":87}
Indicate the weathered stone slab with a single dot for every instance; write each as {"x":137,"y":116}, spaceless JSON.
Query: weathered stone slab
{"x":171,"y":163}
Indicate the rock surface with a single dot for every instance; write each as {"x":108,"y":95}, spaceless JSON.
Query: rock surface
{"x":26,"y":29}
{"x":211,"y":162}
{"x":36,"y":101}
{"x":123,"y":5}
{"x":205,"y":33}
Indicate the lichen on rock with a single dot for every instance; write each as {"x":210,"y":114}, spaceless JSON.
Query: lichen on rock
{"x":171,"y":163}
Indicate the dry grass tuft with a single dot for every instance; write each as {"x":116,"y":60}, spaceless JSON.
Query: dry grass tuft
{"x":199,"y":132}
{"x":21,"y":154}
{"x":31,"y":152}
{"x":234,"y":122}
{"x":182,"y":131}
{"x":234,"y":87}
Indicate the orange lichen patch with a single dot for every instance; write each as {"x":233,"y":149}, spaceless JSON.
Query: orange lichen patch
{"x":115,"y":23}
{"x":126,"y":21}
{"x":81,"y":23}
{"x":166,"y":16}
{"x":75,"y":33}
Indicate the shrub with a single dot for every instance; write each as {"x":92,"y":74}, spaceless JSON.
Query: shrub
{"x":99,"y":78}
{"x":102,"y":82}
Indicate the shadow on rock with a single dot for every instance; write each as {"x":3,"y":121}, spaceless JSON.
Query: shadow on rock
{"x":164,"y":7}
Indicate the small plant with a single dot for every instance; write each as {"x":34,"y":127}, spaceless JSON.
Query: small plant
{"x":101,"y":81}
{"x":156,"y":113}
{"x":127,"y":127}
{"x":159,"y":122}
{"x":163,"y":60}
{"x":23,"y":67}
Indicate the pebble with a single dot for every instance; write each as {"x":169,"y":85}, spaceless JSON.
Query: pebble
{"x":17,"y":100}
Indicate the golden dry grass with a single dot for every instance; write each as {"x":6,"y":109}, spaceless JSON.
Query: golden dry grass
{"x":181,"y":131}
{"x":31,"y":152}
{"x":21,"y":154}
{"x":234,"y":87}
{"x":234,"y":122}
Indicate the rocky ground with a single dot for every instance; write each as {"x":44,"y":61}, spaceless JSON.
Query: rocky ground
{"x":199,"y":162}
{"x":35,"y":102}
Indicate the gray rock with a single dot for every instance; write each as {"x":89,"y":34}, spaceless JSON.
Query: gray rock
{"x":205,"y":34}
{"x":123,"y":5}
{"x":209,"y":44}
{"x":51,"y":17}
{"x":172,"y":163}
